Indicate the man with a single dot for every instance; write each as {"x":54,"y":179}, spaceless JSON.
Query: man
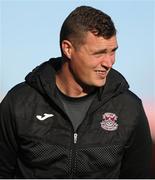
{"x":74,"y":116}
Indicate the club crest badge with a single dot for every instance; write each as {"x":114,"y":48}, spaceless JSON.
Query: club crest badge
{"x":109,"y":121}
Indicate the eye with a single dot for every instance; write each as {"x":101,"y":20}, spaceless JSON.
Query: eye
{"x":99,"y":55}
{"x":114,"y":50}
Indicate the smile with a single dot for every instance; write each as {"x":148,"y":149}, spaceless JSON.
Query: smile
{"x":101,"y":73}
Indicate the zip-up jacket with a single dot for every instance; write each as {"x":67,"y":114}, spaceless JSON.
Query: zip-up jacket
{"x":37,"y":139}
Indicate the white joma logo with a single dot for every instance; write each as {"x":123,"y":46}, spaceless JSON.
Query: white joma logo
{"x":42,"y":118}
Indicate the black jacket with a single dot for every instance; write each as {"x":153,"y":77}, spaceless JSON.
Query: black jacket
{"x":113,"y":140}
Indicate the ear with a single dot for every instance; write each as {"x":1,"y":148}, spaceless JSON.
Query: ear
{"x":66,"y":48}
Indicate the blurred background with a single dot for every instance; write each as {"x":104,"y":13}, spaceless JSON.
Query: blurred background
{"x":29,"y":33}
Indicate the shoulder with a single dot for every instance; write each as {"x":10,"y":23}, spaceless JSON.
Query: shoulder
{"x":131,"y":106}
{"x":20,"y":90}
{"x":21,"y":87}
{"x":131,"y":98}
{"x":19,"y":95}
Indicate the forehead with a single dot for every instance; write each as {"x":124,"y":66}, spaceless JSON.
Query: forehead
{"x":98,"y":41}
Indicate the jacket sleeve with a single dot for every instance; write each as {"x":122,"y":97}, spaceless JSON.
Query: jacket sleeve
{"x":8,"y":142}
{"x":136,"y":162}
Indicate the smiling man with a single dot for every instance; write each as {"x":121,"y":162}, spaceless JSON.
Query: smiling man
{"x":74,"y":116}
{"x":87,"y":65}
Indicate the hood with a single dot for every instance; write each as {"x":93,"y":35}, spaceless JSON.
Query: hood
{"x":115,"y":84}
{"x":42,"y":78}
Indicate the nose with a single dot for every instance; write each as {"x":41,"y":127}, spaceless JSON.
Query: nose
{"x":108,"y":61}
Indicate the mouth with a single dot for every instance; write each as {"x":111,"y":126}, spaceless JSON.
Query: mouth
{"x":101,"y":72}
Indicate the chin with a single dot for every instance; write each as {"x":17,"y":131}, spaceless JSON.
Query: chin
{"x":96,"y":83}
{"x":100,"y":83}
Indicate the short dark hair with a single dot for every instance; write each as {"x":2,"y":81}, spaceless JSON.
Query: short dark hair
{"x":84,"y":19}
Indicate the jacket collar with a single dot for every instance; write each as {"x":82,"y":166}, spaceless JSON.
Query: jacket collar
{"x":42,"y":78}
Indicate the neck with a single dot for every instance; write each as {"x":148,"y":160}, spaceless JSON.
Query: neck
{"x":67,"y":84}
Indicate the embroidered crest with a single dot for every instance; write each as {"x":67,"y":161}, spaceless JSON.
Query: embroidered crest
{"x":109,"y":122}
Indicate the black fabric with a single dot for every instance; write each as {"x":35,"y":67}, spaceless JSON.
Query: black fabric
{"x":37,"y":137}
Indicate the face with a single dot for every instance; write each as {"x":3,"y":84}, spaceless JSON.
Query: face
{"x":92,"y":61}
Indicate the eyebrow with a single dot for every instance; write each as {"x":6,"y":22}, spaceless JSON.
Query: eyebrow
{"x":104,"y":51}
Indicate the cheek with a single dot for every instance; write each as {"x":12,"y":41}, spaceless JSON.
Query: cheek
{"x":96,"y":63}
{"x":113,"y":59}
{"x":78,"y":67}
{"x":83,"y":65}
{"x":83,"y":70}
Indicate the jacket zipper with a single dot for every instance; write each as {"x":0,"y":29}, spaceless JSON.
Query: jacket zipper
{"x":75,"y":138}
{"x":73,"y":157}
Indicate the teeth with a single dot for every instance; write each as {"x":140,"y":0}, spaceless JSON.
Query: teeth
{"x":99,"y":71}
